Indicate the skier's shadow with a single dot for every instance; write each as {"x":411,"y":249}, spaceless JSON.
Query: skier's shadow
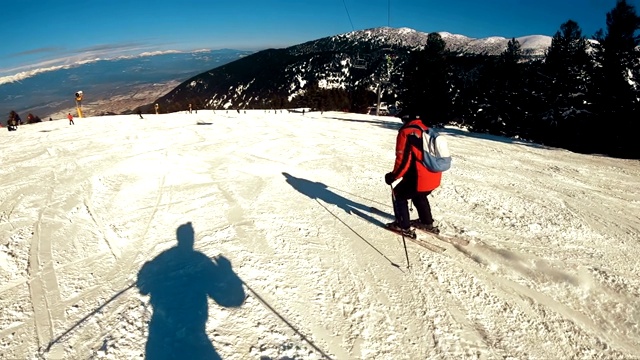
{"x":318,"y":190}
{"x":179,"y":281}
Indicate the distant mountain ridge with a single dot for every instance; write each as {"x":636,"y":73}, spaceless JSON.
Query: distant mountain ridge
{"x":532,"y":45}
{"x":277,"y":73}
{"x":247,"y":78}
{"x":49,"y":92}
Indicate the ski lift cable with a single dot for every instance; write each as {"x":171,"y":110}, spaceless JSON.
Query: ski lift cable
{"x":344,"y":2}
{"x":360,"y":63}
{"x":348,"y":15}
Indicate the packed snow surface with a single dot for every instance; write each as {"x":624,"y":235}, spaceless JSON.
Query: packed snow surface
{"x":252,"y":236}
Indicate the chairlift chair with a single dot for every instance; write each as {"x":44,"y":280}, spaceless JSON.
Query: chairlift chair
{"x":359,"y":63}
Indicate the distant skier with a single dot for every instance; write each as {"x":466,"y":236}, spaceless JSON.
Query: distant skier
{"x":70,"y":117}
{"x":32,"y":119}
{"x":417,"y":181}
{"x":12,"y":123}
{"x":139,"y":112}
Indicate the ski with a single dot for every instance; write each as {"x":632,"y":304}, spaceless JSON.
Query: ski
{"x":425,"y":244}
{"x":454,"y":240}
{"x":450,"y":239}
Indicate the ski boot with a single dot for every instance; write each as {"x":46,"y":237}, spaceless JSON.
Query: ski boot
{"x":393,"y":226}
{"x":431,"y":228}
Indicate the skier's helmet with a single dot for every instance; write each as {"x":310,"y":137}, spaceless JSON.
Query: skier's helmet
{"x":408,"y":115}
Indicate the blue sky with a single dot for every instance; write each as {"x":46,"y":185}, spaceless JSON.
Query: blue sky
{"x":42,"y":33}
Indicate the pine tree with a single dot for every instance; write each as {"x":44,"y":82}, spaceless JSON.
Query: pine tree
{"x":425,"y":80}
{"x":617,"y":77}
{"x":513,"y":53}
{"x":568,"y":69}
{"x":468,"y":87}
{"x":502,"y":99}
{"x":510,"y":89}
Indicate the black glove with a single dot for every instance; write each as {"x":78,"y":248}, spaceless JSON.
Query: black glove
{"x":389,"y":178}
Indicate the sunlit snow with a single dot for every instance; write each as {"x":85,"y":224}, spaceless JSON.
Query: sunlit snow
{"x":289,"y":260}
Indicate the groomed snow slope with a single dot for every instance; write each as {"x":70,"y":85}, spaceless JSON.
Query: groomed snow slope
{"x":289,"y":261}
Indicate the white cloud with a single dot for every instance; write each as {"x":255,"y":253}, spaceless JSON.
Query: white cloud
{"x":24,"y":72}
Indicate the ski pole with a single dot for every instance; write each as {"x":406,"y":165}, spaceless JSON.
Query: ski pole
{"x":404,"y":242}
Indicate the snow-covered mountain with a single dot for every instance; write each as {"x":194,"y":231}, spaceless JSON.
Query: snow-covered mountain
{"x":329,"y":62}
{"x":118,"y":85}
{"x":533,"y":45}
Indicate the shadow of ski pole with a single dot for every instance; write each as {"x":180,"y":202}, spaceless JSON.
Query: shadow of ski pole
{"x":302,"y":336}
{"x":360,"y":236}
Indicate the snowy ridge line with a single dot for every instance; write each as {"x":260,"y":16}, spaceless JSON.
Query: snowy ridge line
{"x":360,"y":236}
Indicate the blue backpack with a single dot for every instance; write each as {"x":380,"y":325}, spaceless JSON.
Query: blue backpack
{"x":435,"y":151}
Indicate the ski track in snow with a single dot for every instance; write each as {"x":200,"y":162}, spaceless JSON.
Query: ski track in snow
{"x":551,"y":270}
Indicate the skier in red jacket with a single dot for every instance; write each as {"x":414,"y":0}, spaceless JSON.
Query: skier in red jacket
{"x":417,"y":181}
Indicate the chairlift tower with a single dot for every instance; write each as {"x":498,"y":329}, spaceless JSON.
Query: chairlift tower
{"x":384,"y":78}
{"x":379,"y":97}
{"x":79,"y":96}
{"x":383,"y":74}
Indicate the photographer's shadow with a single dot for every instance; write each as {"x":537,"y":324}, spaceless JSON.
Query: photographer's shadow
{"x":179,"y":281}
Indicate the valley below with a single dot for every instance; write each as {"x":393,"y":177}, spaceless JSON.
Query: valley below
{"x":118,"y":102}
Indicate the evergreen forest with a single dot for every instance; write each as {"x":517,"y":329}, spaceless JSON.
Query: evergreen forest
{"x":582,"y":95}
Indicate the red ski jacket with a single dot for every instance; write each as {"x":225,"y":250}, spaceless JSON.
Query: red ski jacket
{"x":408,"y":164}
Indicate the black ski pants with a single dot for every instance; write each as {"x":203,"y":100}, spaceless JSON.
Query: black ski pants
{"x":404,"y":192}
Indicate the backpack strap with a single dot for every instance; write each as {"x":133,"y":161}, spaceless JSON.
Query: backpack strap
{"x":419,"y":141}
{"x":417,"y":127}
